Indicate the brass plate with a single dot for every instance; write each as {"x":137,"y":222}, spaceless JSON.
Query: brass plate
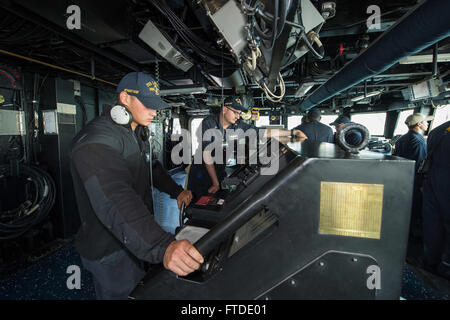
{"x":351,"y":209}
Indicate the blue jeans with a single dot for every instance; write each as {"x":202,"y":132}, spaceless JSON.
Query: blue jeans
{"x":115,"y":275}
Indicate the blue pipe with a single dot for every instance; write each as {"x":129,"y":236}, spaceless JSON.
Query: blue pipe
{"x":422,"y":27}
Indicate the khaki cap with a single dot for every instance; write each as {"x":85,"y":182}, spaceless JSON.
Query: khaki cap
{"x":416,"y":118}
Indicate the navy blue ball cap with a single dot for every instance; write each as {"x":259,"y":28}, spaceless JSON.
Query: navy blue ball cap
{"x":234,"y":102}
{"x":313,"y":113}
{"x":144,"y":87}
{"x":340,"y":119}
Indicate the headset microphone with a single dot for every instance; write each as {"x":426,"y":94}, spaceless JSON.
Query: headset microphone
{"x":145,"y":133}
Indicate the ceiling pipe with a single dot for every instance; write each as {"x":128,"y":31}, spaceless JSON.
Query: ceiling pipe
{"x":420,"y":28}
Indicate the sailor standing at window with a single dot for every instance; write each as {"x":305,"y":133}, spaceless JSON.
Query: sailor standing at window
{"x":413,"y":146}
{"x":436,"y":203}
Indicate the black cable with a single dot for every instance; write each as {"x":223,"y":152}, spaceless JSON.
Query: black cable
{"x":311,"y":48}
{"x":249,"y":6}
{"x":318,"y":55}
{"x":365,"y":20}
{"x":16,"y":222}
{"x":261,"y":33}
{"x":278,"y":27}
{"x":289,"y":60}
{"x":282,"y":22}
{"x":202,"y":48}
{"x":271,"y":34}
{"x":275,"y":24}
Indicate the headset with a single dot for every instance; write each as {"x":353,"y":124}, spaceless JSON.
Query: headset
{"x":120,"y":115}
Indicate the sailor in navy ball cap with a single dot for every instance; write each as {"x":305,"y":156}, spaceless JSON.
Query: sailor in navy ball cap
{"x":413,"y":146}
{"x":144,"y":87}
{"x":206,"y":177}
{"x":234,"y":103}
{"x":138,"y":100}
{"x":353,"y":137}
{"x":340,"y":120}
{"x":314,"y":129}
{"x":119,"y":235}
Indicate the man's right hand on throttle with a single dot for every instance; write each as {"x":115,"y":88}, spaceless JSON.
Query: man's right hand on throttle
{"x":182,"y":258}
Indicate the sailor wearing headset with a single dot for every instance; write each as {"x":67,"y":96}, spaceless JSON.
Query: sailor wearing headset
{"x":111,"y":179}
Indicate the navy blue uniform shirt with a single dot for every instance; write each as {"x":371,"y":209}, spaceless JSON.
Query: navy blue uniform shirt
{"x":315,"y":130}
{"x":411,"y":146}
{"x":199,"y":179}
{"x":213,"y":122}
{"x":436,"y":201}
{"x":439,"y":174}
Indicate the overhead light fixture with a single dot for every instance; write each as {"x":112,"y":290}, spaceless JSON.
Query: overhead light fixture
{"x":180,"y":90}
{"x":425,"y":58}
{"x":368,"y":95}
{"x":425,"y":89}
{"x":303,"y":89}
{"x":151,"y":35}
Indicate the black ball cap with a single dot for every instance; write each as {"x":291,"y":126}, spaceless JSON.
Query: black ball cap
{"x":340,"y":119}
{"x":314,"y":113}
{"x":144,"y":87}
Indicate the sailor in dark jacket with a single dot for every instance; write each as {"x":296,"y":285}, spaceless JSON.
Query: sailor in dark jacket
{"x":112,"y":187}
{"x":315,"y":130}
{"x":413,"y":146}
{"x":206,"y":176}
{"x":353,"y":137}
{"x":436,"y":203}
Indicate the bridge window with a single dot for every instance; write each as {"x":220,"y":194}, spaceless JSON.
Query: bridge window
{"x":372,"y":121}
{"x":327,"y":119}
{"x":195,"y":124}
{"x":263,"y":121}
{"x":294,"y":121}
{"x":442,"y":115}
{"x":401,"y":127}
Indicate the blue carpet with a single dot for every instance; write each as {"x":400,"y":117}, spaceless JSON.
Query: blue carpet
{"x":418,"y":285}
{"x":46,"y":280}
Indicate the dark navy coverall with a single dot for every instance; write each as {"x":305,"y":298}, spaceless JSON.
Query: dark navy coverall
{"x":436,"y":202}
{"x":199,"y":180}
{"x":315,"y":130}
{"x":413,"y":146}
{"x":112,"y":186}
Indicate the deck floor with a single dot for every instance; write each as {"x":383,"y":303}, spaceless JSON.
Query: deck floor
{"x":44,"y":278}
